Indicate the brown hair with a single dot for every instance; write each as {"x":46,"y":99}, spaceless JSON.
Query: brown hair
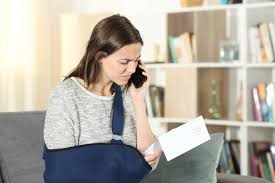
{"x":109,"y":35}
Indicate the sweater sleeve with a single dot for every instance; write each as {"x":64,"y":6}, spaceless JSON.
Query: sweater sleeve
{"x":59,"y":125}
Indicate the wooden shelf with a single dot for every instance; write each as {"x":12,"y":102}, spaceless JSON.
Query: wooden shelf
{"x":211,"y":24}
{"x":207,"y":121}
{"x":260,"y":124}
{"x":219,"y":7}
{"x":261,"y":65}
{"x":260,"y":5}
{"x":195,"y":65}
{"x":203,"y":8}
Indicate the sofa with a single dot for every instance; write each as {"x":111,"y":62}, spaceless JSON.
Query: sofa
{"x":21,"y":148}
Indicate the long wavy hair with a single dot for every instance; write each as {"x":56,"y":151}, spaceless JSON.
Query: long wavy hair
{"x":109,"y":35}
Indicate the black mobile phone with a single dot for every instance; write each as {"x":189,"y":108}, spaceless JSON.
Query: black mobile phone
{"x":137,"y":77}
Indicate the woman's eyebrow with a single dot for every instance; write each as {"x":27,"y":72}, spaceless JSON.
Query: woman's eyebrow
{"x":130,"y":59}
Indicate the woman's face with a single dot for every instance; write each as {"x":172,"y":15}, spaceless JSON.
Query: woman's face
{"x":120,"y":65}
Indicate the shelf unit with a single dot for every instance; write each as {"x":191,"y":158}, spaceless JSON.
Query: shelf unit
{"x":237,"y":19}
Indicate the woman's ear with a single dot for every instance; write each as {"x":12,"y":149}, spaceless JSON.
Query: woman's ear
{"x":99,"y":55}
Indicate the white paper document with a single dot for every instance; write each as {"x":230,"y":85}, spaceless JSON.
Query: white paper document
{"x":181,"y":139}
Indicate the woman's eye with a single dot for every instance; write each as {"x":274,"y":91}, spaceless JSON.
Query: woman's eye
{"x":124,"y":62}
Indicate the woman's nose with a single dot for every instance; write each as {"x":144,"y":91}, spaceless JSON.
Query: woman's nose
{"x":131,"y":67}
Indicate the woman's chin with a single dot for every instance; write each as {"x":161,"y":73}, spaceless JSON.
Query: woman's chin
{"x":121,"y":82}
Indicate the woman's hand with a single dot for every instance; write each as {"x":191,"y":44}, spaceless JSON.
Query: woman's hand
{"x":138,"y":94}
{"x":152,"y":158}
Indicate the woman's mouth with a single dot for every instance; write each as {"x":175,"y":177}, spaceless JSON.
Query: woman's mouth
{"x":126,"y":78}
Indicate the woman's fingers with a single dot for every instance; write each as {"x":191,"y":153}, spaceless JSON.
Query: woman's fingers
{"x":152,"y":158}
{"x":142,"y":66}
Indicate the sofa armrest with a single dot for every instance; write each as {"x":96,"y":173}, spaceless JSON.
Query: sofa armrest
{"x":225,"y":178}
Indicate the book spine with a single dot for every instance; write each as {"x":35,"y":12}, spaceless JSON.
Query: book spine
{"x":266,"y":41}
{"x":262,"y":47}
{"x":265,"y":110}
{"x":252,"y":44}
{"x":256,"y":105}
{"x":265,"y":166}
{"x":270,"y":165}
{"x":235,"y":156}
{"x":272,"y":35}
{"x":172,"y":48}
{"x":229,"y":157}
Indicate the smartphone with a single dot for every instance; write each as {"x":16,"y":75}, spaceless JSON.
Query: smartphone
{"x":137,"y":77}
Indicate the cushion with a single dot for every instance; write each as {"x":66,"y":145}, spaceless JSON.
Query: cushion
{"x":21,"y":147}
{"x":195,"y":166}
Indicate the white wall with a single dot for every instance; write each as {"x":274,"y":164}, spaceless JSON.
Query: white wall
{"x":25,"y":85}
{"x":146,"y":15}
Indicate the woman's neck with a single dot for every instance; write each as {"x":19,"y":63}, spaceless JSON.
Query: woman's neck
{"x":101,"y":88}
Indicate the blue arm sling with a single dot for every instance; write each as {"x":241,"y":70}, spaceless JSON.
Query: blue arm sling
{"x":112,"y":162}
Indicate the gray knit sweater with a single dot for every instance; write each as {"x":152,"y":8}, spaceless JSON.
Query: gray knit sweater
{"x":76,"y":116}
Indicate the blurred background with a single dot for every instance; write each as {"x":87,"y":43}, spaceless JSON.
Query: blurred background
{"x":35,"y":34}
{"x":207,"y":57}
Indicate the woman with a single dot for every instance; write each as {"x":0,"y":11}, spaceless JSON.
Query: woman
{"x":80,"y":108}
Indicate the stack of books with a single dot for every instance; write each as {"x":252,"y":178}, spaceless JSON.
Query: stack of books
{"x":262,"y":43}
{"x":262,"y":160}
{"x":182,"y":48}
{"x":230,"y":158}
{"x":155,"y":101}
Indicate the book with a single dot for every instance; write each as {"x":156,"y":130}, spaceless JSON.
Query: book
{"x":224,"y":161}
{"x":262,"y":46}
{"x":266,"y":40}
{"x":181,"y":47}
{"x":187,"y":42}
{"x":172,"y":49}
{"x":270,"y":98}
{"x":266,"y":169}
{"x":272,"y":153}
{"x":235,"y":154}
{"x":265,"y":110}
{"x":272,"y":35}
{"x":157,"y":100}
{"x":149,"y":108}
{"x":256,"y":105}
{"x":270,"y":165}
{"x":254,"y":164}
{"x":254,"y":44}
{"x":229,"y":157}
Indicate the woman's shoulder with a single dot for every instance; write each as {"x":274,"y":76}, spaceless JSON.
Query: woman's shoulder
{"x":63,"y":89}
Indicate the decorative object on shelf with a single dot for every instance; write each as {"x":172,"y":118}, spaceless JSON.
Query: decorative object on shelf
{"x":213,"y":110}
{"x":229,"y":50}
{"x":239,"y":106}
{"x":188,"y":3}
{"x":154,"y":51}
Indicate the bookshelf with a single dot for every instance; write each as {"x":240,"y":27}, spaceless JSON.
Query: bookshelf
{"x":223,"y":21}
